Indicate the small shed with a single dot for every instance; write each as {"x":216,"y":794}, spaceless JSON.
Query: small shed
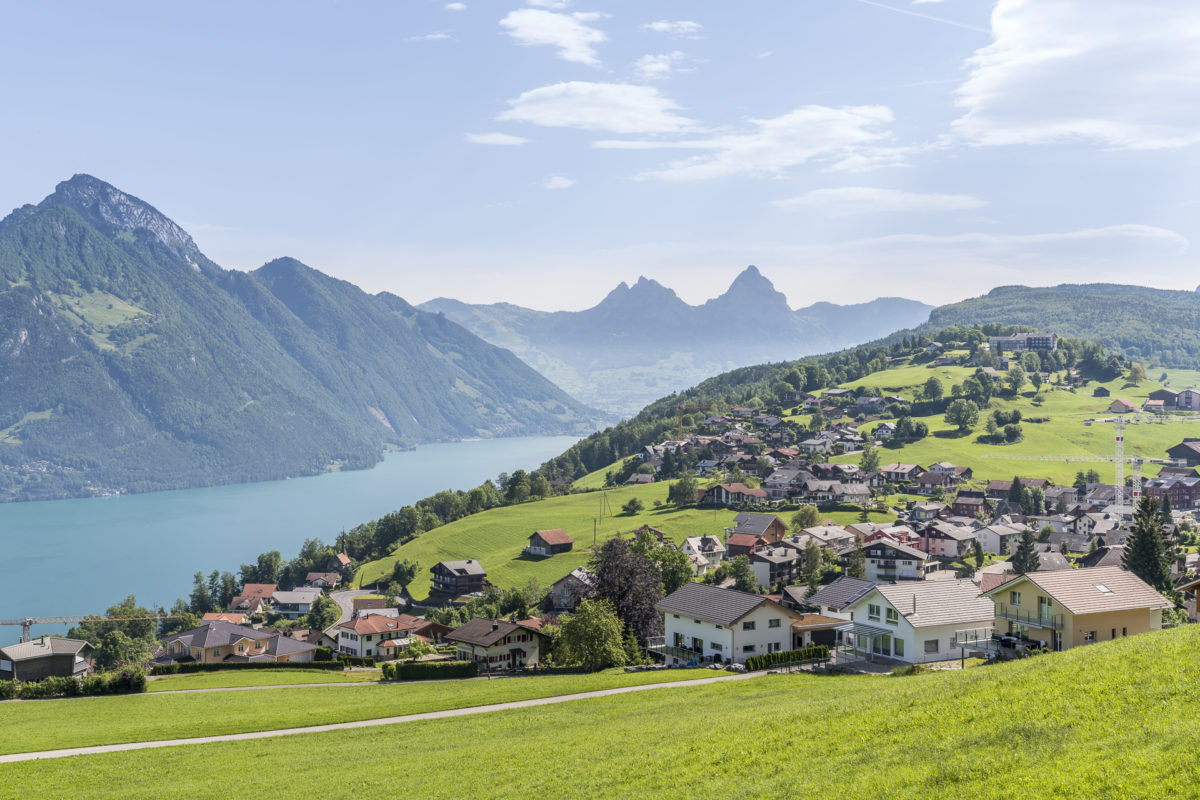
{"x":549,"y":542}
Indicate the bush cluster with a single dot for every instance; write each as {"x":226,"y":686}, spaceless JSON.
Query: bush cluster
{"x":124,"y":682}
{"x":194,"y":666}
{"x":812,"y":652}
{"x":429,"y":670}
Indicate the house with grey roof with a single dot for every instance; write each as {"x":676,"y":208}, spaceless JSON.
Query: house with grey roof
{"x":45,"y":657}
{"x":892,"y":561}
{"x":497,"y":644}
{"x":710,"y":624}
{"x":917,"y":621}
{"x":218,"y":641}
{"x":456,"y":578}
{"x":831,"y":599}
{"x":296,"y":603}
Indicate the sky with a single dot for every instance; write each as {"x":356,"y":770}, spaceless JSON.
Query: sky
{"x":541,"y":151}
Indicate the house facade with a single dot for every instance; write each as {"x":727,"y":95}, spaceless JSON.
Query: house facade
{"x":497,"y":644}
{"x":296,"y":603}
{"x":549,"y":542}
{"x":570,"y":589}
{"x":891,"y":561}
{"x":375,"y":636}
{"x":217,"y":642}
{"x":1071,"y":607}
{"x":916,"y":622}
{"x":458,"y":577}
{"x":709,"y":624}
{"x":46,"y":657}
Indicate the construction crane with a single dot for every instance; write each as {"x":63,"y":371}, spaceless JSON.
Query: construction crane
{"x":28,"y":622}
{"x":1118,"y":457}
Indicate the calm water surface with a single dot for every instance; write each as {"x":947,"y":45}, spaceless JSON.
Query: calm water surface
{"x":81,"y":556}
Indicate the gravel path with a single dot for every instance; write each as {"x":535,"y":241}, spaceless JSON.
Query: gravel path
{"x":366,"y":723}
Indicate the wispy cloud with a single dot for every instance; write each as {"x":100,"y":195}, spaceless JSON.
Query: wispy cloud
{"x":613,"y":107}
{"x":851,"y":200}
{"x":495,"y":138}
{"x":844,"y":138}
{"x":659,"y":65}
{"x":678,"y":29}
{"x":558,"y":182}
{"x":455,"y":6}
{"x":575,"y":40}
{"x":1119,"y":74}
{"x":432,"y":37}
{"x":910,"y":13}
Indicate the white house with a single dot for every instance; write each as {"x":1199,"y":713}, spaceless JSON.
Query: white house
{"x":892,"y":561}
{"x":918,"y":621}
{"x":296,"y":603}
{"x":703,"y":623}
{"x":705,"y":552}
{"x":373,"y":636}
{"x":497,"y":644}
{"x":999,"y":539}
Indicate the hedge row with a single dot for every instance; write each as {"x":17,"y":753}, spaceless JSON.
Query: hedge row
{"x":813,"y":651}
{"x":220,"y":666}
{"x":429,"y":670}
{"x":356,"y":661}
{"x":124,"y":682}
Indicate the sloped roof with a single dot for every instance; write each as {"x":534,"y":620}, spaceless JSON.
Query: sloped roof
{"x":750,"y":522}
{"x":297,"y":596}
{"x":468,"y":567}
{"x":938,"y":602}
{"x":554,"y":536}
{"x":44,"y":646}
{"x":1097,"y":590}
{"x":712,"y":603}
{"x":837,"y":594}
{"x":215,"y":634}
{"x":259,"y":590}
{"x":485,"y":632}
{"x":743,"y":540}
{"x":903,"y":549}
{"x":372,"y":623}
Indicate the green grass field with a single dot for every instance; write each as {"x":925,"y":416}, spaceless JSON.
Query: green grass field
{"x":496,"y":537}
{"x":51,"y":724}
{"x":1063,"y":435}
{"x":257,"y":677}
{"x":1111,"y":721}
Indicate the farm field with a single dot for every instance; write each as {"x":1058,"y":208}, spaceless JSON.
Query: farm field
{"x":79,"y":722}
{"x":496,"y":537}
{"x":256,"y":677}
{"x":1063,"y":434}
{"x":1112,"y":720}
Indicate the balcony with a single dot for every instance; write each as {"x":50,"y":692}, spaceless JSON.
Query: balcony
{"x":657,"y":644}
{"x":1045,"y":621}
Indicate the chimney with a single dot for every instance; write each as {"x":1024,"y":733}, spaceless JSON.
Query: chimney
{"x":914,"y":604}
{"x":495,"y":625}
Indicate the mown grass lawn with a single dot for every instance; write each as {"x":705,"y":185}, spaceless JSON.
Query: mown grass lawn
{"x":54,"y":724}
{"x":496,"y":537}
{"x":1115,"y":720}
{"x":257,"y":677}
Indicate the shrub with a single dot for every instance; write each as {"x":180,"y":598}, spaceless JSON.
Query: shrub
{"x":356,"y":661}
{"x":430,"y":670}
{"x":8,"y":690}
{"x":812,"y":652}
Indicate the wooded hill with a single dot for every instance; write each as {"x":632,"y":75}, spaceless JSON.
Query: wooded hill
{"x":132,"y":362}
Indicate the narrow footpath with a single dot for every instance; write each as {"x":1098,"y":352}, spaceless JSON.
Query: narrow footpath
{"x":365,"y":723}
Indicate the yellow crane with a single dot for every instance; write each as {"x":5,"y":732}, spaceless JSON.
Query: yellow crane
{"x":28,"y":622}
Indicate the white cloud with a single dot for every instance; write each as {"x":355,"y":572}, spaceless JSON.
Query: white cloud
{"x":555,"y":4}
{"x":849,"y":138}
{"x":613,"y":107}
{"x":431,"y":37}
{"x":532,"y":27}
{"x":455,"y":6}
{"x":1123,"y":75}
{"x":654,"y":66}
{"x":495,"y":138}
{"x":850,"y":200}
{"x":680,"y":29}
{"x":558,"y":182}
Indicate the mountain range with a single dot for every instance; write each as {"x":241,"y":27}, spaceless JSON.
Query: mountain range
{"x":642,"y":341}
{"x":129,"y":361}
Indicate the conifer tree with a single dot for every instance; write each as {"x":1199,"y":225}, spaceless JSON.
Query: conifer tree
{"x":1146,"y":551}
{"x":1026,"y":558}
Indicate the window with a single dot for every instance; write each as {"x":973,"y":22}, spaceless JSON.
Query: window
{"x":1114,"y":634}
{"x":773,"y":623}
{"x":696,"y":621}
{"x":931,"y":645}
{"x":716,"y":646}
{"x":676,"y":616}
{"x":893,"y":616}
{"x":1014,"y":598}
{"x":241,"y":647}
{"x":897,"y":647}
{"x":1123,"y":633}
{"x":873,"y":612}
{"x":907,"y":563}
{"x":748,"y":626}
{"x":217,"y":652}
{"x":1089,"y":636}
{"x":749,"y":648}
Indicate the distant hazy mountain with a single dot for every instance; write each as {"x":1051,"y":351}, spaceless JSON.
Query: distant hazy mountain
{"x":130,"y":360}
{"x":1159,"y":327}
{"x":642,"y":341}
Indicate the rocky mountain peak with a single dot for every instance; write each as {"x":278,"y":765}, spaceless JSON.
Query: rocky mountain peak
{"x":106,"y":204}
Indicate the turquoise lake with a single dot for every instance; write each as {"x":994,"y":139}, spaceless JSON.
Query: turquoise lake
{"x":74,"y":557}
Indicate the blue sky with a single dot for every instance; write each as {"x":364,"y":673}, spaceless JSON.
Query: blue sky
{"x":541,"y":152}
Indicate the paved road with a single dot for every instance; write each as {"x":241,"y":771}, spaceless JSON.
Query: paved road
{"x":366,"y":723}
{"x":345,"y":601}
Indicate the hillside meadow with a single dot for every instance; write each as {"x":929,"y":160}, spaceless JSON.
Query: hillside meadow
{"x":1112,"y":721}
{"x":53,"y":724}
{"x":496,"y":537}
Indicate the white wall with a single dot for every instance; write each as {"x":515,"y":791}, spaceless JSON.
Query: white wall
{"x":763,"y":638}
